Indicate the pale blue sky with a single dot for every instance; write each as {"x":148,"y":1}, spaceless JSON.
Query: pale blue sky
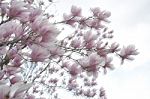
{"x":131,"y":22}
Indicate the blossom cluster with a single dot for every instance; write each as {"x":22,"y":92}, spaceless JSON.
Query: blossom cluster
{"x":32,"y":58}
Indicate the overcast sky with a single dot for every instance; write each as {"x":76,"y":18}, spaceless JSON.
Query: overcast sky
{"x":131,"y":22}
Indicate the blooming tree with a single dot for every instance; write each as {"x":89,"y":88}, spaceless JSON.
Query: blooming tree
{"x":35,"y":63}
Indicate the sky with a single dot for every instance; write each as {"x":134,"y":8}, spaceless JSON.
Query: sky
{"x":130,"y":20}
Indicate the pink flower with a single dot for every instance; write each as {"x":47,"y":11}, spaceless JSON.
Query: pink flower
{"x":12,"y":53}
{"x":76,"y":43}
{"x":4,"y":8}
{"x":7,"y":29}
{"x":75,"y":11}
{"x":114,"y":48}
{"x":127,"y":52}
{"x":89,"y":93}
{"x":34,"y":13}
{"x":84,"y":62}
{"x":106,"y":14}
{"x":17,"y":60}
{"x":102,"y":93}
{"x":96,"y":11}
{"x":48,"y":33}
{"x":38,"y":23}
{"x":3,"y":50}
{"x":108,"y":64}
{"x":10,"y":27}
{"x":18,"y":30}
{"x":72,"y":84}
{"x":94,"y":59}
{"x":99,"y":45}
{"x":94,"y":23}
{"x":56,"y":51}
{"x":38,"y":53}
{"x":90,"y":44}
{"x":89,"y":36}
{"x":69,"y":19}
{"x":74,"y":69}
{"x":23,"y":17}
{"x":90,"y":63}
{"x":66,"y":17}
{"x":17,"y":8}
{"x":65,"y":64}
{"x":101,"y":15}
{"x":44,"y":29}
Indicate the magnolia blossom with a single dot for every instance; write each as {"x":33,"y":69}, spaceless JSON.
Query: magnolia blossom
{"x":4,"y":8}
{"x":8,"y":28}
{"x":89,"y":93}
{"x":34,"y":13}
{"x":114,"y":47}
{"x":65,"y":64}
{"x":90,"y":44}
{"x":12,"y":53}
{"x":99,"y":45}
{"x":94,"y":23}
{"x":69,"y":19}
{"x":48,"y":33}
{"x":23,"y":17}
{"x":74,"y":69}
{"x":44,"y":29}
{"x":89,"y":36}
{"x":38,"y":23}
{"x":94,"y":59}
{"x":56,"y":51}
{"x":38,"y":53}
{"x":18,"y":30}
{"x":102,"y":93}
{"x":75,"y":11}
{"x":17,"y":60}
{"x":72,"y":84}
{"x":91,"y":63}
{"x":76,"y":43}
{"x":108,"y":64}
{"x":2,"y":50}
{"x":96,"y":11}
{"x":102,"y":15}
{"x":17,"y":8}
{"x":126,"y":52}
